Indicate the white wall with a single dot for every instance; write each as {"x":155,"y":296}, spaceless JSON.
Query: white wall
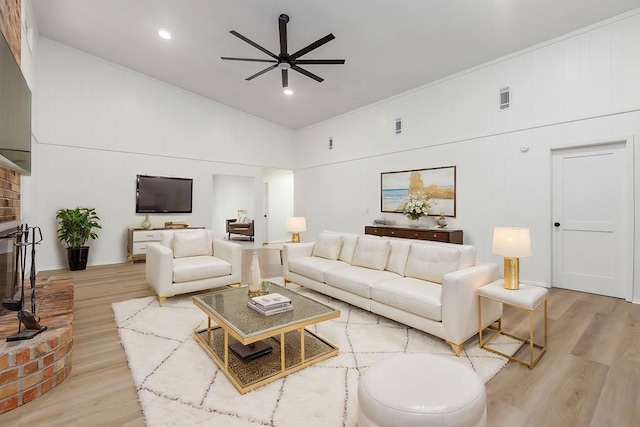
{"x":574,"y":90}
{"x":97,"y":125}
{"x":279,"y":203}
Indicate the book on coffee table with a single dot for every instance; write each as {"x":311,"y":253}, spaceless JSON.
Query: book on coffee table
{"x":270,"y":311}
{"x":247,"y":353}
{"x":270,"y":301}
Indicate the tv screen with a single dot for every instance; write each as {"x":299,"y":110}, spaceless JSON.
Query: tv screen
{"x":159,"y":194}
{"x":15,"y":111}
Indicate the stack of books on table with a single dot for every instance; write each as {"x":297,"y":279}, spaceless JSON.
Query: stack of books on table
{"x":270,"y":304}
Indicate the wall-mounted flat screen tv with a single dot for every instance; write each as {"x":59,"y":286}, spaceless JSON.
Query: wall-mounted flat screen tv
{"x":162,"y":194}
{"x":15,"y":112}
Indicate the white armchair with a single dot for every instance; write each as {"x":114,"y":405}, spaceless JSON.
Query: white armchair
{"x":190,"y":260}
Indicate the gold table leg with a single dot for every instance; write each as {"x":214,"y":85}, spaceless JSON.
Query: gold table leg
{"x":226,"y":351}
{"x":282,"y":358}
{"x":531,"y":338}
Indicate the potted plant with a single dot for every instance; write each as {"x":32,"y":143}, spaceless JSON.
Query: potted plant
{"x":75,"y":227}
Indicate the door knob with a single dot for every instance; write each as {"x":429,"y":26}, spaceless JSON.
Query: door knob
{"x":556,"y":224}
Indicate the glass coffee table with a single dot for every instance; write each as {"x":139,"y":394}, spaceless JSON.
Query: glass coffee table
{"x":238,"y":329}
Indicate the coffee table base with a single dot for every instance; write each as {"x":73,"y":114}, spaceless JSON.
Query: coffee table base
{"x":246,"y":376}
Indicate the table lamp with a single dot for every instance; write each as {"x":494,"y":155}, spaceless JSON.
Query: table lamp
{"x":296,"y":225}
{"x":513,"y":243}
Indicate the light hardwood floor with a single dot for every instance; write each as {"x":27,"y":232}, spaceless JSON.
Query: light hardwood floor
{"x":588,"y":377}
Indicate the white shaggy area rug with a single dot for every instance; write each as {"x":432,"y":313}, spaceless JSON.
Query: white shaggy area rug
{"x":178,"y":384}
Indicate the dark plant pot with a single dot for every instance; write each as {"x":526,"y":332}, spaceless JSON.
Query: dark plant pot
{"x":78,"y":258}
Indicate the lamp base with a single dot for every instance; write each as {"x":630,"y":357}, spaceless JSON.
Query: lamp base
{"x":511,"y":273}
{"x":295,"y":237}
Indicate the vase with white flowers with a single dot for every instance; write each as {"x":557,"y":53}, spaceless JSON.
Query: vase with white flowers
{"x":415,"y":208}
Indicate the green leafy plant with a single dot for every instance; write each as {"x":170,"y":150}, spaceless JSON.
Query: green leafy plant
{"x":75,"y":226}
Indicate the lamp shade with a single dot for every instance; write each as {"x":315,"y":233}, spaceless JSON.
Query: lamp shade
{"x":512,"y":242}
{"x":296,"y":224}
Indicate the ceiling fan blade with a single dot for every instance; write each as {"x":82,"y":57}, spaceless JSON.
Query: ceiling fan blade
{"x":316,"y":44}
{"x":285,"y":78}
{"x":247,"y":59}
{"x":318,"y":61}
{"x":307,"y":73}
{"x":254,"y":44}
{"x":259,"y":73}
{"x":282,"y":23}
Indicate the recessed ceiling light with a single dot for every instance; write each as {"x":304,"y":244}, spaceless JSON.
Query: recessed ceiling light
{"x":288,"y":91}
{"x":164,"y":34}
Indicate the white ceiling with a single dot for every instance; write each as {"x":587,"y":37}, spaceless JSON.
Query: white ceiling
{"x":389,"y":46}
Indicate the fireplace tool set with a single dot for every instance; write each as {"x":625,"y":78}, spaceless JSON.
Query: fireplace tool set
{"x":26,"y":318}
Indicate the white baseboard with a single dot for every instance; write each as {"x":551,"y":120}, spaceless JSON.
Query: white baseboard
{"x":534,"y":283}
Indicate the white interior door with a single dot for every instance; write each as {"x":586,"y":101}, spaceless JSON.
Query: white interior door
{"x":590,"y":214}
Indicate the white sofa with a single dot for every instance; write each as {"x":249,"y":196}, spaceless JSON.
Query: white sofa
{"x":430,"y":286}
{"x":191,"y":260}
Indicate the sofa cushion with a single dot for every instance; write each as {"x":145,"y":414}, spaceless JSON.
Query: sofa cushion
{"x":357,"y":280}
{"x":430,"y":262}
{"x":415,"y":296}
{"x":314,"y":267}
{"x":166,"y":239}
{"x":192,"y":268}
{"x":191,"y":243}
{"x":349,"y":242}
{"x":328,"y":245}
{"x":371,"y":253}
{"x":398,"y":254}
{"x":468,"y":253}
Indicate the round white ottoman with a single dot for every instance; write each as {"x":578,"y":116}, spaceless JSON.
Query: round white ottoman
{"x":421,"y":390}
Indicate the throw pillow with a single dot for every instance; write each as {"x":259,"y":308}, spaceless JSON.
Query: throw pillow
{"x":430,"y":262}
{"x":371,"y":253}
{"x":328,"y":245}
{"x":191,"y":243}
{"x":348,"y":247}
{"x":399,"y":252}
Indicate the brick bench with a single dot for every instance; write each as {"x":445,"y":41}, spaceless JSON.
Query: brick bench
{"x":30,"y":368}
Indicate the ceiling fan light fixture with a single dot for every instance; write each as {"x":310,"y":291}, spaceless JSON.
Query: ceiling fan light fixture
{"x":285,"y":61}
{"x":164,"y":34}
{"x":288,"y":91}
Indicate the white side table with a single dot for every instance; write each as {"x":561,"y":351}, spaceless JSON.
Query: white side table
{"x":526,"y":298}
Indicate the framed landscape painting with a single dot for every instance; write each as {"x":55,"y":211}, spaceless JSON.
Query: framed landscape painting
{"x":438,"y":184}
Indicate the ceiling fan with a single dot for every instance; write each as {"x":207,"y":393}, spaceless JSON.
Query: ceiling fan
{"x":284,"y":61}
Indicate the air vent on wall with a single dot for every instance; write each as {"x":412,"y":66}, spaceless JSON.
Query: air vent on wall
{"x":505,"y":98}
{"x":398,"y":126}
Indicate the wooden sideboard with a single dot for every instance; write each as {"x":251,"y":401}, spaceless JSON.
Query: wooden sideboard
{"x":137,"y":239}
{"x":434,"y":234}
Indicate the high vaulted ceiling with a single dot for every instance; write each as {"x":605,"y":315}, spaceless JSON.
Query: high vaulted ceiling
{"x":389,"y":46}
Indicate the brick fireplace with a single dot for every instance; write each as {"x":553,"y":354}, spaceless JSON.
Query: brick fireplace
{"x":30,"y":368}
